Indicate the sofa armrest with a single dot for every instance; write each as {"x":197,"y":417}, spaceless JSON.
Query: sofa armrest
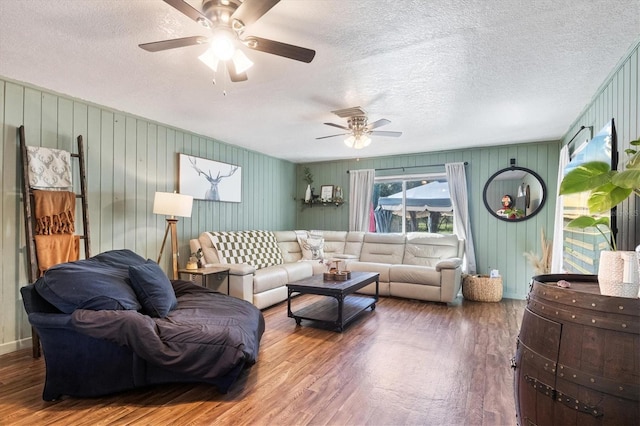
{"x":451,"y":263}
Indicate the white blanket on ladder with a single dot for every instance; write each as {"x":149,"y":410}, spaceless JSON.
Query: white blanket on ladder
{"x":49,"y":168}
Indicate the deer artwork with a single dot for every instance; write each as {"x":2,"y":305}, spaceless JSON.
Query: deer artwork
{"x":212,"y":192}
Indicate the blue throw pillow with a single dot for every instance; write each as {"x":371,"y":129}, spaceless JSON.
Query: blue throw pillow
{"x":153,"y":288}
{"x":97,"y":283}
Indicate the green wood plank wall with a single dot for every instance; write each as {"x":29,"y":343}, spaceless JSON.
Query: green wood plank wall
{"x":128,"y":160}
{"x":499,"y":244}
{"x":618,"y":98}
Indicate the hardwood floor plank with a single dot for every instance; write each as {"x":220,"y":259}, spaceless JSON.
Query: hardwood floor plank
{"x":407,"y":362}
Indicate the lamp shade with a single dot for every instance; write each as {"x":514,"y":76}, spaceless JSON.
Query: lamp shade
{"x":172,"y":204}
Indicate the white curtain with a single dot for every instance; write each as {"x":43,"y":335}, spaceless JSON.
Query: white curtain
{"x":457,"y":179}
{"x":558,"y":223}
{"x":360,"y":194}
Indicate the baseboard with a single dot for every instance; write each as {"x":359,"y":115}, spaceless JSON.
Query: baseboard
{"x":16,"y":345}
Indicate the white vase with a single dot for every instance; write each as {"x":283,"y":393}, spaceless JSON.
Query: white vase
{"x":611,"y":274}
{"x":307,"y":194}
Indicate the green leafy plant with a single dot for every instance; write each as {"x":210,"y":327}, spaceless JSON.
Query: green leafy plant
{"x":308,"y":177}
{"x":607,"y":187}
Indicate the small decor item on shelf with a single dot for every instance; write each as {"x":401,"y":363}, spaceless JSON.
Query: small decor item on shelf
{"x":326,"y":193}
{"x":192,"y":263}
{"x":198,"y":255}
{"x":307,"y":194}
{"x":338,"y":197}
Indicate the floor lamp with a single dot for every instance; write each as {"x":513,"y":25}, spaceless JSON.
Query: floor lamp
{"x":172,"y":204}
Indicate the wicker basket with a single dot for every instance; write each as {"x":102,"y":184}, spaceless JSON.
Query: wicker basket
{"x":482,"y":288}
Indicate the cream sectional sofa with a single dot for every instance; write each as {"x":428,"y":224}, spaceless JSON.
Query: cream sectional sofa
{"x":420,"y":265}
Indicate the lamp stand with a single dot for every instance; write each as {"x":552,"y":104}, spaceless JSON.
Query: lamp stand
{"x":171,"y":224}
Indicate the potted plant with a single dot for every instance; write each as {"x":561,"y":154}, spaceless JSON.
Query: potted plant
{"x":607,"y":188}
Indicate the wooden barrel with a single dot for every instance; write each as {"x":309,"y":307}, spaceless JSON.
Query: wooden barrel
{"x":578,"y":355}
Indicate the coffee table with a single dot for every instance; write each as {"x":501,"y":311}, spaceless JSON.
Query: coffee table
{"x":342,"y":304}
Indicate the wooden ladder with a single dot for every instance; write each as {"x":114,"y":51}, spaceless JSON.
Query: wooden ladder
{"x":29,"y":219}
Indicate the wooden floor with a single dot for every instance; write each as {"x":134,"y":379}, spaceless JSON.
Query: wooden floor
{"x":406,"y":363}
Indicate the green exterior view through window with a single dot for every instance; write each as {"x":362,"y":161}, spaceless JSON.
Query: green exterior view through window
{"x":415,"y":203}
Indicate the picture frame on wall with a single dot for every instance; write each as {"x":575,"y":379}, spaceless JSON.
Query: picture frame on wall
{"x":326,"y":193}
{"x":209,"y":180}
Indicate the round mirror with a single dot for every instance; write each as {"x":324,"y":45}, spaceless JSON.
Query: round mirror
{"x":514,"y":194}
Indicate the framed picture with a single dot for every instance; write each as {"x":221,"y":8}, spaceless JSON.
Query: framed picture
{"x":209,"y":180}
{"x":326,"y":193}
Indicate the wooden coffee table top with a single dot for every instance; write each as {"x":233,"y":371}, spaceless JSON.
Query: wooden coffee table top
{"x":318,"y":285}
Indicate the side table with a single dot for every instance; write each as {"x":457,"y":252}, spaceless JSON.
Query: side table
{"x":221,"y":275}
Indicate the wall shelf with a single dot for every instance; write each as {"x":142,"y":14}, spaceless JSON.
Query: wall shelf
{"x":317,"y":202}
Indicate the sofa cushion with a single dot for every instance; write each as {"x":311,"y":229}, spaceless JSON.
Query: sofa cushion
{"x":334,"y":242}
{"x":413,"y":274}
{"x":298,"y":271}
{"x":100,"y":282}
{"x":269,"y":278}
{"x":383,"y":248}
{"x":312,"y":246}
{"x":153,"y":288}
{"x":289,"y":246}
{"x":257,"y":248}
{"x":428,"y":249}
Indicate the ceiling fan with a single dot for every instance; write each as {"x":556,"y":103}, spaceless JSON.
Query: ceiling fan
{"x":358,"y":127}
{"x":227,"y":20}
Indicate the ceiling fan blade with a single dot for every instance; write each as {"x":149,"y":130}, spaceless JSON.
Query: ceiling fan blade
{"x":250,"y":11}
{"x":189,"y":11}
{"x":378,"y":123}
{"x":386,"y":133}
{"x":338,"y":126}
{"x":332,"y":136}
{"x":281,"y":49}
{"x":157,"y":46}
{"x":233,"y":75}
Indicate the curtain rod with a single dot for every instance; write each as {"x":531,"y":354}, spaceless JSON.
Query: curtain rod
{"x":413,"y":167}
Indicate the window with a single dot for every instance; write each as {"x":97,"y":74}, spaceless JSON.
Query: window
{"x":416,"y":203}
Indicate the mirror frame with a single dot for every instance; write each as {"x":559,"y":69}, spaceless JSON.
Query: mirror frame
{"x":507,"y":169}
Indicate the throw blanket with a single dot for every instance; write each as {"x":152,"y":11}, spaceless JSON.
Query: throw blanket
{"x":54,"y":249}
{"x":49,"y":168}
{"x":209,"y":335}
{"x":54,"y":212}
{"x":257,"y":248}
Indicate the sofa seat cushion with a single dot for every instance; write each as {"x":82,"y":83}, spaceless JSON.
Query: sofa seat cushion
{"x":380,"y":268}
{"x":298,"y":271}
{"x":269,"y":278}
{"x":412,"y":274}
{"x":257,"y":248}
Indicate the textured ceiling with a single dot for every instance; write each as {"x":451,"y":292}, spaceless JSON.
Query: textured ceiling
{"x":447,"y":73}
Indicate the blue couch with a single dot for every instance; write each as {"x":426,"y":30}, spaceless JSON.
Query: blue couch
{"x":112,"y":323}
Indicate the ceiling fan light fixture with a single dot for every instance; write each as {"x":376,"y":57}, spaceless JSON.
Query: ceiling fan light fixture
{"x":221,"y":44}
{"x":241,"y":62}
{"x":350,"y":141}
{"x":361,"y":141}
{"x":210,"y":60}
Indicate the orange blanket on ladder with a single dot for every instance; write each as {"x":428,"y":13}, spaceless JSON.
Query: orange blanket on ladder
{"x":54,"y":213}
